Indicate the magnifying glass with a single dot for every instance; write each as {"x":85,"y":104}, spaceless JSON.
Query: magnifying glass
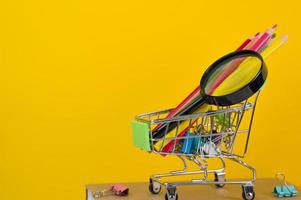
{"x":247,"y":74}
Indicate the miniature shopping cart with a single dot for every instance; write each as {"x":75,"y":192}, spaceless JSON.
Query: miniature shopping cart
{"x":220,"y":133}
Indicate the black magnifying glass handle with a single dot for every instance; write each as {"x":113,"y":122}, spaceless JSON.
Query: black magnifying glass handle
{"x":189,"y":109}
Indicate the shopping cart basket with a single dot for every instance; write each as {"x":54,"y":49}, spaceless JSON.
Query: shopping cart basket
{"x":197,"y":138}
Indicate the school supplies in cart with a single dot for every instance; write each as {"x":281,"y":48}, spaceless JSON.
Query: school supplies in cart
{"x":207,"y":124}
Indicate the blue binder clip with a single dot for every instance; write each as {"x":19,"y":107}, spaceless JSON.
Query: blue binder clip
{"x":186,"y":148}
{"x":284,"y":190}
{"x":192,"y":143}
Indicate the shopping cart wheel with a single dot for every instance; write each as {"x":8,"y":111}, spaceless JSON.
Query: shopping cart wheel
{"x":171,"y":197}
{"x":171,"y":193}
{"x":219,"y":177}
{"x":248,"y":192}
{"x":154,"y":187}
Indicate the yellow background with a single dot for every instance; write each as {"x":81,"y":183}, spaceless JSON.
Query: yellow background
{"x":74,"y":74}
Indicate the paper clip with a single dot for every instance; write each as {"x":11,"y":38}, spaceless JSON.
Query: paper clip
{"x":116,"y":189}
{"x":284,"y":190}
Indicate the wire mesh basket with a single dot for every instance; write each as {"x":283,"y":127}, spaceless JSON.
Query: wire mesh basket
{"x":212,"y":132}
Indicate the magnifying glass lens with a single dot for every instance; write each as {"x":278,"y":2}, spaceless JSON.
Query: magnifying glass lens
{"x":232,"y":74}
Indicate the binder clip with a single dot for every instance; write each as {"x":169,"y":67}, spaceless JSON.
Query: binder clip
{"x":116,"y":189}
{"x":284,"y":190}
{"x":210,"y":148}
{"x":186,"y":148}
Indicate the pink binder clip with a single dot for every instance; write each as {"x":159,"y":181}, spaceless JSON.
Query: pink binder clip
{"x":120,"y":189}
{"x":116,"y":189}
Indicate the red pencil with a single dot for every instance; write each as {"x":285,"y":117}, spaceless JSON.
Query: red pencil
{"x":243,"y":45}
